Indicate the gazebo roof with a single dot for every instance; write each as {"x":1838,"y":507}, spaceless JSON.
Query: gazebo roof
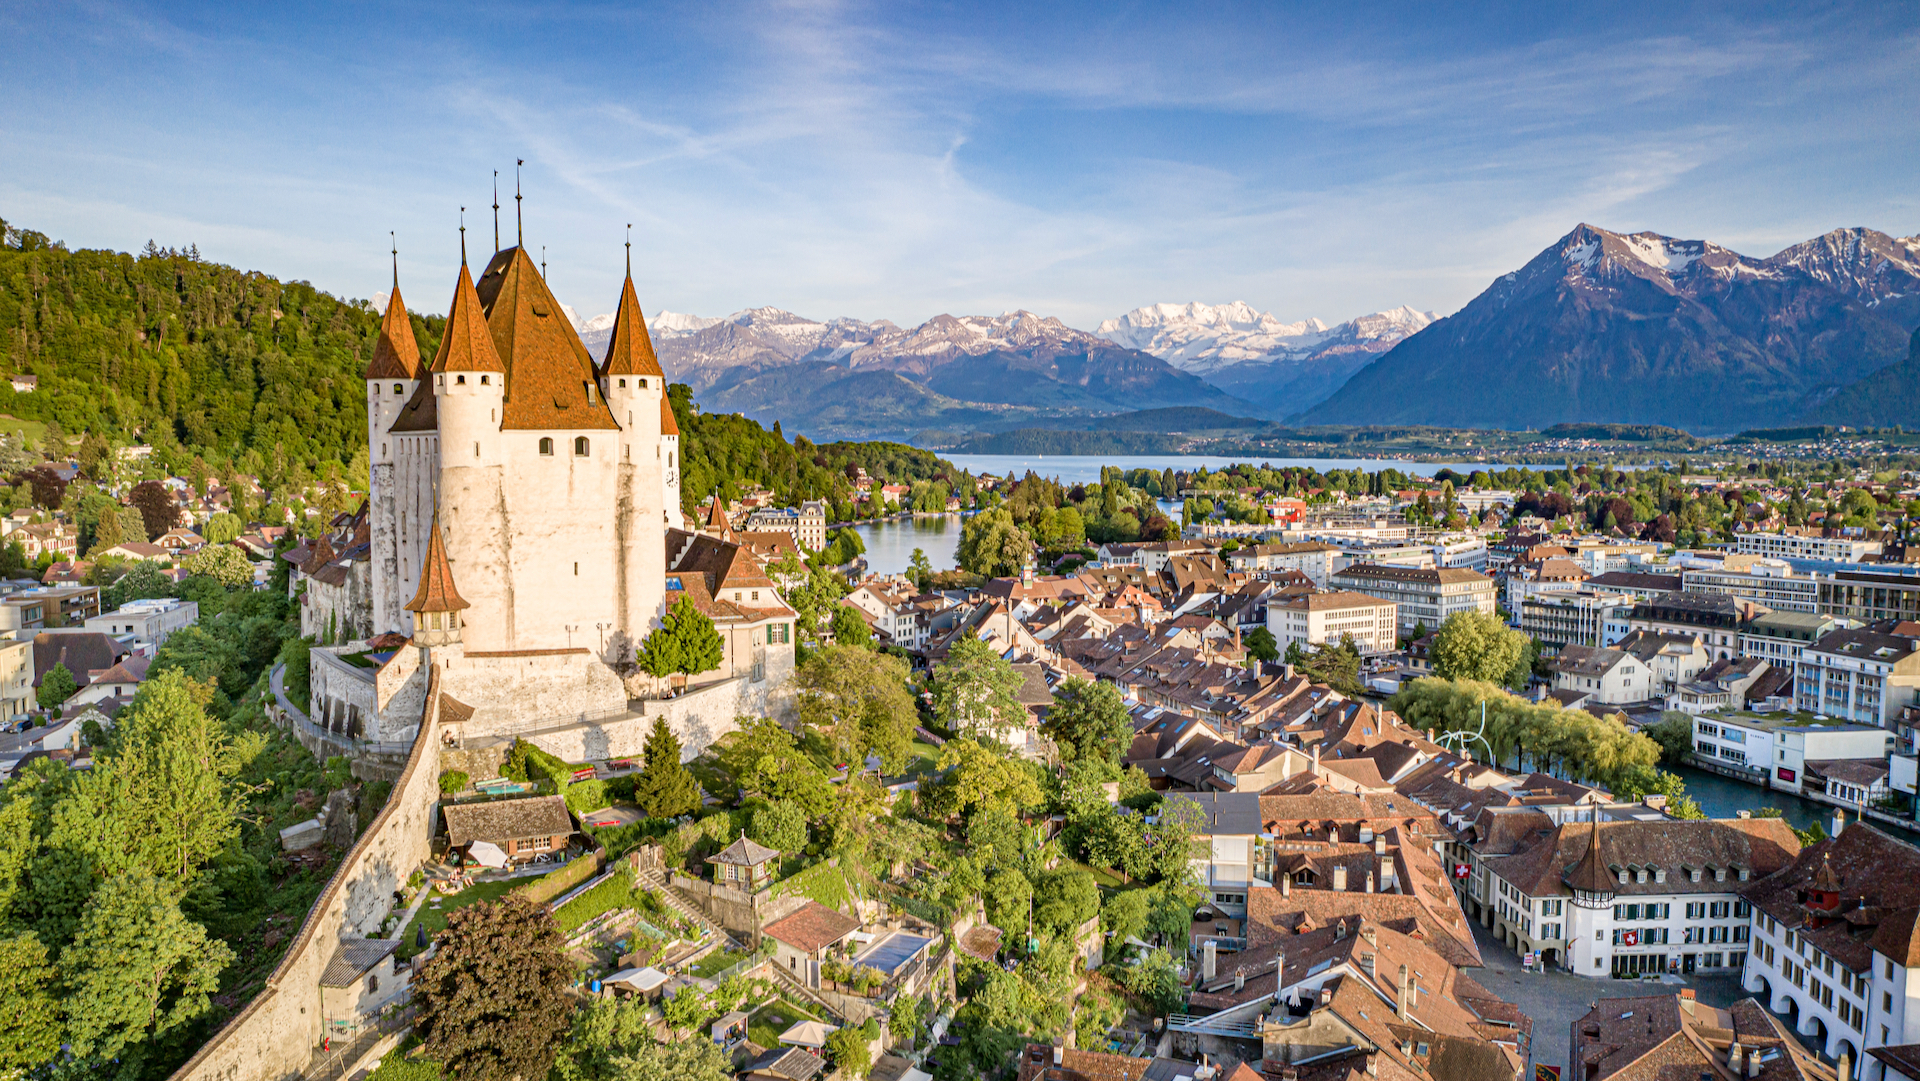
{"x":745,"y":853}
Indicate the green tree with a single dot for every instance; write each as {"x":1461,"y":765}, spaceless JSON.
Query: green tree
{"x":1336,"y":666}
{"x":920,"y":569}
{"x":860,"y":697}
{"x":223,"y":563}
{"x":763,"y":757}
{"x":684,"y":643}
{"x":1477,"y":646}
{"x":33,"y":1029}
{"x":1064,"y":899}
{"x":1088,"y":721}
{"x":976,"y":689}
{"x":56,"y":686}
{"x":849,"y":629}
{"x":992,"y":545}
{"x":137,"y":973}
{"x":494,"y":995}
{"x":780,"y":825}
{"x":1261,"y":645}
{"x":665,"y":787}
{"x":975,"y":777}
{"x":1674,"y":733}
{"x":222,"y":528}
{"x":847,"y":1047}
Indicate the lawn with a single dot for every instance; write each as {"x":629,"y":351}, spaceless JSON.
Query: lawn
{"x":769,"y":1021}
{"x":33,"y":431}
{"x":1103,"y":877}
{"x":714,"y":962}
{"x":435,"y":919}
{"x":823,"y":882}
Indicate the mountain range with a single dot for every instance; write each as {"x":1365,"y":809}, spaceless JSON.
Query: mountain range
{"x":1648,"y":329}
{"x":1599,"y":327}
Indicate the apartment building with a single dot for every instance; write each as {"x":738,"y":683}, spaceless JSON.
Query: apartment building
{"x":1318,"y":618}
{"x":1789,"y":545}
{"x":1768,"y":582}
{"x":807,"y":523}
{"x":1865,"y":675}
{"x":1868,"y":597}
{"x":1576,"y":617}
{"x":48,"y":606}
{"x":1715,"y":618}
{"x":1425,"y":596}
{"x":16,"y":677}
{"x":1774,"y":748}
{"x":1311,"y":558}
{"x":1631,"y":898}
{"x":148,"y":621}
{"x":1779,"y":637}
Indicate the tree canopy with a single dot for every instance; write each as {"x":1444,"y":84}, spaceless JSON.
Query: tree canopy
{"x":1476,"y":645}
{"x":685,"y":643}
{"x":494,"y":995}
{"x":976,"y":689}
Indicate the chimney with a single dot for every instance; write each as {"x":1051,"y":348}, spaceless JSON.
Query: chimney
{"x":1735,"y":1060}
{"x":1379,"y":845}
{"x":1753,"y":1064}
{"x":1209,"y":953}
{"x":1239,"y":981}
{"x":1839,"y":823}
{"x":1401,"y":1005}
{"x":1316,"y":758}
{"x":1339,"y":876}
{"x":1286,"y":671}
{"x":1843,"y":1069}
{"x":1286,"y":884}
{"x":1369,"y":880}
{"x":1059,"y":1052}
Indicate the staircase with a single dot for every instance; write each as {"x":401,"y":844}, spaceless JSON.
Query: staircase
{"x":652,"y":881}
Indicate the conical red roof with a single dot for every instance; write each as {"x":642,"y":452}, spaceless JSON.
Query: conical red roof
{"x":466,"y":346}
{"x":630,"y":351}
{"x":436,"y":592}
{"x":396,"y":355}
{"x":668,"y":426}
{"x":550,"y":375}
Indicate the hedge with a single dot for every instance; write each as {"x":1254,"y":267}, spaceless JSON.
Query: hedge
{"x":554,"y":883}
{"x":453,"y":780}
{"x":584,"y":796}
{"x":525,"y":762}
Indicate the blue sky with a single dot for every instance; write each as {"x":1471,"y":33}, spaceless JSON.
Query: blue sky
{"x":898,"y":160}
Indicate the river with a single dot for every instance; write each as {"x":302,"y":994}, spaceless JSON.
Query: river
{"x":1723,"y":797}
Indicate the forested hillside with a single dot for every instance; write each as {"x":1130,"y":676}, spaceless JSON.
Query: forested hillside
{"x":166,"y":348}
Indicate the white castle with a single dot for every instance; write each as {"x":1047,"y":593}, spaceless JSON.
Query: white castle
{"x":546,"y":486}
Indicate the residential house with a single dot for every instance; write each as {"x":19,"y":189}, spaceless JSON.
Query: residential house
{"x":1805,"y":544}
{"x":1715,"y":618}
{"x":49,"y":607}
{"x":521,"y":828}
{"x":135,"y":551}
{"x":1779,"y":637}
{"x":1609,"y":677}
{"x":804,"y":938}
{"x":117,"y":684}
{"x":1674,"y":1035}
{"x":148,"y":621}
{"x":1868,"y":596}
{"x":1311,"y":558}
{"x":361,"y":979}
{"x":1673,"y":659}
{"x":1730,"y":684}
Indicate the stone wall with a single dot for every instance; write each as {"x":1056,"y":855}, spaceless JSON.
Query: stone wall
{"x":274,"y":1037}
{"x":697,"y":717}
{"x":341,"y":697}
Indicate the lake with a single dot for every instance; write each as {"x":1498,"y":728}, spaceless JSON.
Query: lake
{"x":1085,"y":468}
{"x":890,"y":543}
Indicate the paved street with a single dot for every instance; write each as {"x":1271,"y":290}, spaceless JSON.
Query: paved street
{"x":1554,"y":999}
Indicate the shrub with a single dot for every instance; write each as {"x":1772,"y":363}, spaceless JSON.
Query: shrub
{"x":554,"y":883}
{"x":584,"y":796}
{"x":452,"y":781}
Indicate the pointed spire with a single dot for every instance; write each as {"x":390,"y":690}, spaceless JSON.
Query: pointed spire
{"x":519,"y":226}
{"x":467,"y":345}
{"x":543,"y":261}
{"x":630,"y":349}
{"x":396,"y":355}
{"x":463,"y":238}
{"x":396,"y":259}
{"x":436,"y":592}
{"x":496,"y":210}
{"x":668,"y":425}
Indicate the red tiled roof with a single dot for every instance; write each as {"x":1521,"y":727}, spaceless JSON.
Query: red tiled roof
{"x":436,"y":592}
{"x":549,"y":372}
{"x":396,"y":355}
{"x":630,"y":351}
{"x":813,"y":927}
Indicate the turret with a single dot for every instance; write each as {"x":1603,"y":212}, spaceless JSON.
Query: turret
{"x":634,"y":387}
{"x":436,"y":605}
{"x":670,"y":454}
{"x":393,"y":377}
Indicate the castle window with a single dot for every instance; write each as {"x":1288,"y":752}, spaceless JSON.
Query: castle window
{"x":623,"y":384}
{"x":643,"y":384}
{"x":546,"y":446}
{"x":476,"y":450}
{"x":396,"y":388}
{"x":484,"y":380}
{"x":460,"y":379}
{"x":580,"y":447}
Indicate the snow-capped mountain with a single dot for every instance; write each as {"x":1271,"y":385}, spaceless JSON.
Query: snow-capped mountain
{"x":1878,"y":270}
{"x":1205,"y":338}
{"x":1641,"y":328}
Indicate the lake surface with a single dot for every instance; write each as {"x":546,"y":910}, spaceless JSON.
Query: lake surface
{"x":1085,"y":468}
{"x":890,"y":543}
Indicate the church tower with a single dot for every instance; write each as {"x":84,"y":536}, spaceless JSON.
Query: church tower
{"x":392,"y":377}
{"x":634,"y":386}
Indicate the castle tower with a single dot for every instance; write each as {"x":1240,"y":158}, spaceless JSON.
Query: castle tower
{"x":469,"y":381}
{"x":392,"y":378}
{"x":436,"y":605}
{"x":530,"y":515}
{"x":634,"y":386}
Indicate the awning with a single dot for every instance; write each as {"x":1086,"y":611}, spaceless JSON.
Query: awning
{"x":639,"y":979}
{"x":486,"y":854}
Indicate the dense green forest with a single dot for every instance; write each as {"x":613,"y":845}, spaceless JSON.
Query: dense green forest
{"x":167,"y":348}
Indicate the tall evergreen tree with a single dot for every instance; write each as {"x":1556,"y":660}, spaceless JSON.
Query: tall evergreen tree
{"x":665,"y":787}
